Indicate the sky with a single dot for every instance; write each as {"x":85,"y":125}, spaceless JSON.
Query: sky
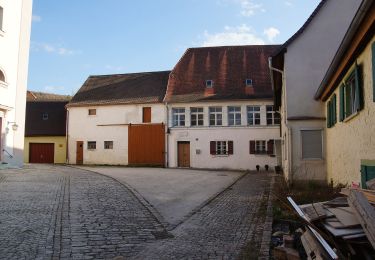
{"x":73,"y":39}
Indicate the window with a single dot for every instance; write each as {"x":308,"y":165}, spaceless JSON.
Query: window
{"x":178,"y":116}
{"x":351,"y":98}
{"x":146,"y":115}
{"x":1,"y":18}
{"x":45,"y":116}
{"x":253,"y":115}
{"x":92,"y":112}
{"x":221,"y":147}
{"x":196,"y":116}
{"x":273,"y":117}
{"x":234,"y":115}
{"x":331,"y":112}
{"x":209,"y":83}
{"x":262,"y":147}
{"x":108,"y":144}
{"x":249,"y":82}
{"x":312,"y":144}
{"x":216,"y":116}
{"x":91,"y":145}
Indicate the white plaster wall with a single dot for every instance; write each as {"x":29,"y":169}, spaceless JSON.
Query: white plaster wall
{"x":109,"y":124}
{"x":14,"y":53}
{"x":200,"y":137}
{"x":353,"y":140}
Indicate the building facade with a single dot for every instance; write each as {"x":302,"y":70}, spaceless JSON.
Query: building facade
{"x":45,"y":128}
{"x":348,"y":92}
{"x":297,"y":70}
{"x":220,"y":110}
{"x":15,"y":26}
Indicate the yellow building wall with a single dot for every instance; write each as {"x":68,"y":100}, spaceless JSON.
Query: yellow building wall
{"x":60,"y":146}
{"x":353,"y":140}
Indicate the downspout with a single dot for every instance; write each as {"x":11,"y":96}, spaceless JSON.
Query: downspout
{"x":67,"y":136}
{"x":167,"y":139}
{"x":288,"y":129}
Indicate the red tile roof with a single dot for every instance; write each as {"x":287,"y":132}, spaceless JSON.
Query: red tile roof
{"x":133,"y":88}
{"x":228,"y":67}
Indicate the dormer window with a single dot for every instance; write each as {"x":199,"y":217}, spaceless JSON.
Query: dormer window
{"x":209,"y":83}
{"x":249,"y":82}
{"x":45,"y":116}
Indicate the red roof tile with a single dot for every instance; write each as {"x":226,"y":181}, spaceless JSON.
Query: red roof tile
{"x":228,"y":67}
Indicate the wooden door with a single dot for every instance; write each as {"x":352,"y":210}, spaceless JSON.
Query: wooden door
{"x":146,"y":111}
{"x":146,"y":144}
{"x":79,"y":153}
{"x":41,"y":153}
{"x":183,"y":154}
{"x":1,"y":138}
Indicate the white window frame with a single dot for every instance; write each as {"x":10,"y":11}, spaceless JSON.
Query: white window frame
{"x":236,"y":113}
{"x":196,"y":114}
{"x":216,"y":114}
{"x":249,"y":82}
{"x":209,"y":83}
{"x":260,"y":144}
{"x":178,"y":116}
{"x":254,"y":113}
{"x":221,"y":147}
{"x":301,"y":145}
{"x":272,"y":114}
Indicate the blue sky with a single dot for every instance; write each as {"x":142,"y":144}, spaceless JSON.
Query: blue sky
{"x":72,"y":39}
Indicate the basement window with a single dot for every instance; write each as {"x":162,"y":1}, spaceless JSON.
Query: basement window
{"x":209,"y":83}
{"x":91,"y":145}
{"x":92,"y":112}
{"x":108,"y":144}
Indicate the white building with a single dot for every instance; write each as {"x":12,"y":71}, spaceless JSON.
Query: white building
{"x":15,"y":26}
{"x":118,"y":120}
{"x":220,"y":109}
{"x":298,"y":69}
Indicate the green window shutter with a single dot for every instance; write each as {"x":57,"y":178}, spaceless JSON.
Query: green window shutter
{"x":328,"y":114}
{"x":373,"y":70}
{"x":358,"y":89}
{"x":342,"y":103}
{"x":334,"y":109}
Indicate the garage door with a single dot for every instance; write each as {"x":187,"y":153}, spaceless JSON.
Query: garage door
{"x":146,"y":144}
{"x":41,"y":153}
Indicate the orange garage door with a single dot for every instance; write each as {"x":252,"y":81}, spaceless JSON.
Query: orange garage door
{"x":41,"y":153}
{"x":146,"y":144}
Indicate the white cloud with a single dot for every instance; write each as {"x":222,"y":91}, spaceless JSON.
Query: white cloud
{"x":271,"y":33}
{"x":240,"y":35}
{"x":36,"y":18}
{"x":249,"y":7}
{"x":46,"y":47}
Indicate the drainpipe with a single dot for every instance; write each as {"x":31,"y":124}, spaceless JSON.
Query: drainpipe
{"x":167,"y":139}
{"x":288,"y":129}
{"x":67,"y":137}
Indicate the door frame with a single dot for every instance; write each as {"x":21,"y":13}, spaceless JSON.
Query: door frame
{"x":178,"y":161}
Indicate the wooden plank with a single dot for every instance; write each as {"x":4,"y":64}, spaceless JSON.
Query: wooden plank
{"x":364,"y":212}
{"x":371,"y":184}
{"x":313,"y":249}
{"x":354,"y":236}
{"x":337,"y":202}
{"x":315,"y":211}
{"x":346,"y":216}
{"x":339,"y":232}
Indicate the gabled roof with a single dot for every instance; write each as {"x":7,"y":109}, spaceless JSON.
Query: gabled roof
{"x":134,"y":88}
{"x":53,"y":126}
{"x":228,"y":67}
{"x":35,"y":96}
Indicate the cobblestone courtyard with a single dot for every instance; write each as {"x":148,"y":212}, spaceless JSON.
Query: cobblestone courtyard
{"x":57,"y":212}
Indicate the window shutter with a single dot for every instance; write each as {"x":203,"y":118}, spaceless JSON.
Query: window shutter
{"x":328,"y":114}
{"x":358,"y":89}
{"x":252,"y":147}
{"x":230,"y":147}
{"x":213,"y":147}
{"x":270,"y":147}
{"x":342,"y":104}
{"x":373,"y":71}
{"x":334,"y":109}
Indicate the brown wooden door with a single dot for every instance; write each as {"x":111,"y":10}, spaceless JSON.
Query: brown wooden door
{"x":41,"y":153}
{"x":1,"y":137}
{"x":183,"y":154}
{"x":146,"y":115}
{"x":146,"y":144}
{"x":79,"y":153}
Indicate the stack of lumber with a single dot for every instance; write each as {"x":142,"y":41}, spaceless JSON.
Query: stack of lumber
{"x":341,"y":228}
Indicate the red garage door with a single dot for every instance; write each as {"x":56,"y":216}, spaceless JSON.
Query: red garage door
{"x":41,"y":153}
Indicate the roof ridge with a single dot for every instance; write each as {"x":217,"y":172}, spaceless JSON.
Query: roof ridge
{"x":132,"y":73}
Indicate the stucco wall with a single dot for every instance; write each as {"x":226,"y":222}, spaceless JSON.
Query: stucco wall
{"x":14,"y":53}
{"x":200,"y":137}
{"x":353,"y":140}
{"x":109,"y":124}
{"x":60,"y":147}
